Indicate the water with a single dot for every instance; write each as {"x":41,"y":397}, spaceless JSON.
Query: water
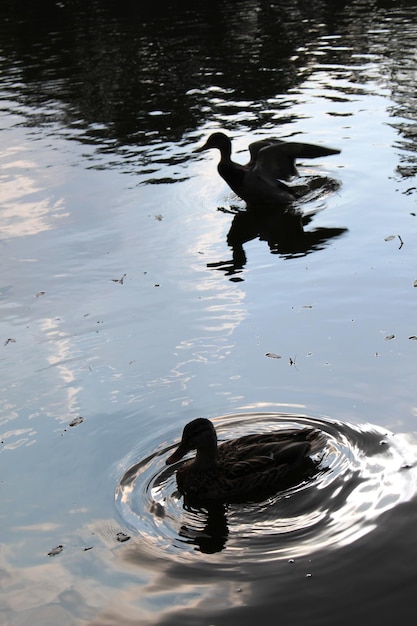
{"x":122,"y":303}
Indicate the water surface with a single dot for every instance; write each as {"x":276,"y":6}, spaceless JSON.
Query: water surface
{"x":132,"y":296}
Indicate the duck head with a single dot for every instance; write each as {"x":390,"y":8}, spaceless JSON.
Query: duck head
{"x":199,"y":435}
{"x":219,"y":141}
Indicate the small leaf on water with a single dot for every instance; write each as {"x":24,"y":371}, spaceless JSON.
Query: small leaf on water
{"x":272,"y":355}
{"x":389,"y":337}
{"x":55,"y":551}
{"x":76,"y":421}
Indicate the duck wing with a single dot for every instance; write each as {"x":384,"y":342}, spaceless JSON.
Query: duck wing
{"x":256,"y":468}
{"x":259,"y":457}
{"x":276,"y":159}
{"x":256,"y":146}
{"x":233,"y":488}
{"x":278,"y":436}
{"x":264,"y":443}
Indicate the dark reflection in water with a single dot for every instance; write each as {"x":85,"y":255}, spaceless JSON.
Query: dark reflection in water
{"x":213,"y":536}
{"x":364,"y":583}
{"x":122,"y":75}
{"x":282,"y":230}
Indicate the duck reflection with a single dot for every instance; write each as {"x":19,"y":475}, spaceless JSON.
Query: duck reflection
{"x":207,"y":525}
{"x":283,"y":231}
{"x":212,"y":537}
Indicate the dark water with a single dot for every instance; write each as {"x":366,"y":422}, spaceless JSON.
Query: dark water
{"x":137,"y":294}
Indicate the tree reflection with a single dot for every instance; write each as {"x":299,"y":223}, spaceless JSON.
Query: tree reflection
{"x":128,"y":74}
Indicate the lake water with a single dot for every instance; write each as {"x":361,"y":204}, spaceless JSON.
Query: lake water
{"x":125,"y":313}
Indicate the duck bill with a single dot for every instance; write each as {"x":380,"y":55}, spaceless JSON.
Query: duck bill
{"x":201,"y":148}
{"x":177,"y":455}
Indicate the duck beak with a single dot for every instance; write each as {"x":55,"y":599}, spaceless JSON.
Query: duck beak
{"x":202,"y":148}
{"x":178,"y":454}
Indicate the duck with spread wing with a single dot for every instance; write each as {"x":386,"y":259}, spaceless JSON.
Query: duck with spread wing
{"x":260,"y":182}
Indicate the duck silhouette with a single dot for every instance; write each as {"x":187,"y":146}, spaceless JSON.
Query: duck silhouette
{"x":241,"y":469}
{"x":259,"y":182}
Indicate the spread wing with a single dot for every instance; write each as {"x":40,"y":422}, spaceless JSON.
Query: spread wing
{"x":274,"y":159}
{"x":255,"y":146}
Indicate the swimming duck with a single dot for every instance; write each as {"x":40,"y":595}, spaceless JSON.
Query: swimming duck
{"x":259,"y":182}
{"x":240,"y":468}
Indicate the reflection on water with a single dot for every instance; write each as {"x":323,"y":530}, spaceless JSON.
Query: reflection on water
{"x":25,"y":209}
{"x":126,"y":78}
{"x":283,"y":231}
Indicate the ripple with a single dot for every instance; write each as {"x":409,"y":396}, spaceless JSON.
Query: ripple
{"x":362,"y":471}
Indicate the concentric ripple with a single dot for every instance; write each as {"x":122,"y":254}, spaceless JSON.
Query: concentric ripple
{"x":361,"y":472}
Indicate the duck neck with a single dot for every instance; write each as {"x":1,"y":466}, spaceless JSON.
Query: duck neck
{"x":206,"y":457}
{"x":226,"y":153}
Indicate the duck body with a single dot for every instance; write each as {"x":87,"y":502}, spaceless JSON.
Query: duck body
{"x":260,"y":182}
{"x":242,"y":468}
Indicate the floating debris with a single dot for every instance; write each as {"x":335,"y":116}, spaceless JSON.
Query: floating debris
{"x":413,"y":337}
{"x":56,"y":551}
{"x":122,"y":537}
{"x":89,"y":548}
{"x":389,"y":337}
{"x":272,"y":355}
{"x":415,"y":283}
{"x":391,"y":237}
{"x":76,"y":421}
{"x":39,"y":294}
{"x":119,"y":280}
{"x":9,"y":340}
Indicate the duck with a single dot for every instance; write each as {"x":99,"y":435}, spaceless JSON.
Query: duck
{"x":241,"y":469}
{"x":272,"y":161}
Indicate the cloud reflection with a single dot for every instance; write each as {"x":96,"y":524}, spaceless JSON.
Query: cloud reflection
{"x":28,"y":208}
